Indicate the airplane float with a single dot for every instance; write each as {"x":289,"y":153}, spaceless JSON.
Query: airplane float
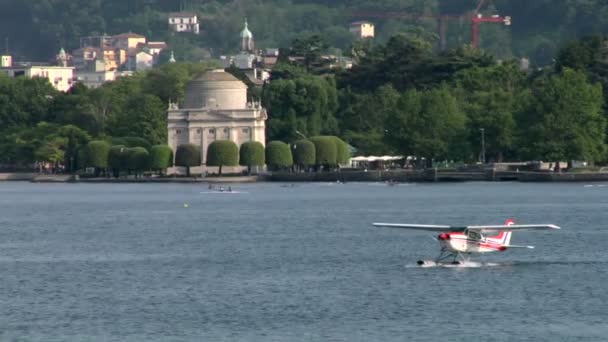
{"x":458,"y":243}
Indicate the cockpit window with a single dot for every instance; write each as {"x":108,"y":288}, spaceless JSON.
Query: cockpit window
{"x":473,"y":235}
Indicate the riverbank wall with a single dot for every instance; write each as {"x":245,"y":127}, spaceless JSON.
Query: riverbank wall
{"x":401,"y":176}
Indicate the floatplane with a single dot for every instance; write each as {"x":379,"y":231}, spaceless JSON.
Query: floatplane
{"x":458,"y":243}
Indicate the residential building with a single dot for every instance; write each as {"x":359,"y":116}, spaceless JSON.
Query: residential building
{"x":140,"y":61}
{"x":94,"y":79}
{"x":101,"y":42}
{"x":362,"y":29}
{"x":154,"y":48}
{"x":60,"y":77}
{"x":127,"y":41}
{"x":184,"y":22}
{"x":6,"y":61}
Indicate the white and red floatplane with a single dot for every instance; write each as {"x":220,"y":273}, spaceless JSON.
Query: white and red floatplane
{"x":458,"y":243}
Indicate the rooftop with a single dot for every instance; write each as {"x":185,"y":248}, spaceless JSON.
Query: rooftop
{"x":217,"y":75}
{"x":182,"y":15}
{"x":128,"y":35}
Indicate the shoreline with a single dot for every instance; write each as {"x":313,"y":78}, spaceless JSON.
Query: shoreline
{"x":410,"y":176}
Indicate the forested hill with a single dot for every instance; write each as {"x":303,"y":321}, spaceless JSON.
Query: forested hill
{"x":36,"y":29}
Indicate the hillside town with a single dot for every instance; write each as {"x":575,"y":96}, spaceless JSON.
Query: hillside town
{"x":104,"y":58}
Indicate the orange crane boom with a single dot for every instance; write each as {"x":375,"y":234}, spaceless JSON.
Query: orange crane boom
{"x":475,"y":19}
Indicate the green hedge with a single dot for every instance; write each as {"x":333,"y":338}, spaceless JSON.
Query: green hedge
{"x":326,"y":150}
{"x":303,"y":152}
{"x":97,"y":154}
{"x":137,"y":142}
{"x":138,"y":159}
{"x":278,"y":155}
{"x":222,"y":153}
{"x":251,"y":154}
{"x":161,"y":157}
{"x":117,"y":159}
{"x":342,"y":152}
{"x":188,"y":155}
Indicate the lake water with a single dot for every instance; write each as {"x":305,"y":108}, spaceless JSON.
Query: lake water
{"x":172,"y":262}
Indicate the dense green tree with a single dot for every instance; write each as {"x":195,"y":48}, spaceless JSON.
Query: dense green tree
{"x":188,"y":155}
{"x":77,"y":110}
{"x":305,"y":104}
{"x":491,"y":97}
{"x":563,"y":119}
{"x":97,"y":155}
{"x":144,"y":116}
{"x":251,"y":154}
{"x":76,"y":138}
{"x":161,"y":157}
{"x":326,"y":151}
{"x":278,"y":155}
{"x":52,"y":150}
{"x":427,"y":124}
{"x":222,"y":153}
{"x":303,"y":152}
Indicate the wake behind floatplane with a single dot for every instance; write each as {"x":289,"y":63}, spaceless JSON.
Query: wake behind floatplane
{"x":457,"y":244}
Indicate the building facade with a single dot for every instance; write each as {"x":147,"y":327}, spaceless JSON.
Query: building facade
{"x":59,"y":76}
{"x":215,"y":108}
{"x":362,"y":29}
{"x":184,"y":22}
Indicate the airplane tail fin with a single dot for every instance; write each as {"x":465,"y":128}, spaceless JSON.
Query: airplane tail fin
{"x":504,"y":237}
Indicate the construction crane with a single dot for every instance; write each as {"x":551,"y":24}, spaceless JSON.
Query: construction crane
{"x":442,"y":19}
{"x":475,"y":19}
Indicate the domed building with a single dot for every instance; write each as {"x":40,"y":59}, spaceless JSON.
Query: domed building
{"x":215,"y":107}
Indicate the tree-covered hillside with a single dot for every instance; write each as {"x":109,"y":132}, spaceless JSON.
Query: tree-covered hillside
{"x":37,"y":29}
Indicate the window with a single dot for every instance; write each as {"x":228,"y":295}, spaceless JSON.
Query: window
{"x":212,"y":131}
{"x":473,"y":235}
{"x":178,"y":131}
{"x":198,"y":131}
{"x":245,"y":130}
{"x":226,"y":130}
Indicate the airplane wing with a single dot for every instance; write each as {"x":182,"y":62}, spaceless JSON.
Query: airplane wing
{"x":513,"y":227}
{"x":426,"y":227}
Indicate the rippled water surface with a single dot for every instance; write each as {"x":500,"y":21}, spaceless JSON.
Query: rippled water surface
{"x":165,"y":262}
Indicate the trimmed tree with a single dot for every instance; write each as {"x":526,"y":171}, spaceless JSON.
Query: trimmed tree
{"x":326,"y":151}
{"x":304,"y":153}
{"x":278,"y":155}
{"x":342,"y":153}
{"x":81,"y":158}
{"x":188,"y":155}
{"x":117,"y":159}
{"x":251,"y":154}
{"x":222,"y":153}
{"x":97,"y":155}
{"x":138,"y":159}
{"x":161,"y":157}
{"x":137,"y":142}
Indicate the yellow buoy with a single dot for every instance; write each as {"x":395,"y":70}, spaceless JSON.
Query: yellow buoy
{"x":185,"y":205}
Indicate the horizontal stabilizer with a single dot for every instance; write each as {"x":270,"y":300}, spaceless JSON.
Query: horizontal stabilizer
{"x":515,"y":246}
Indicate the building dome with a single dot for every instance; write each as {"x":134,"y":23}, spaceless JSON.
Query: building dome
{"x":246,"y":33}
{"x":215,"y":89}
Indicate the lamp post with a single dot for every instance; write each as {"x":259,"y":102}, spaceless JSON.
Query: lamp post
{"x":483,"y":145}
{"x":302,"y":135}
{"x":71,"y":164}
